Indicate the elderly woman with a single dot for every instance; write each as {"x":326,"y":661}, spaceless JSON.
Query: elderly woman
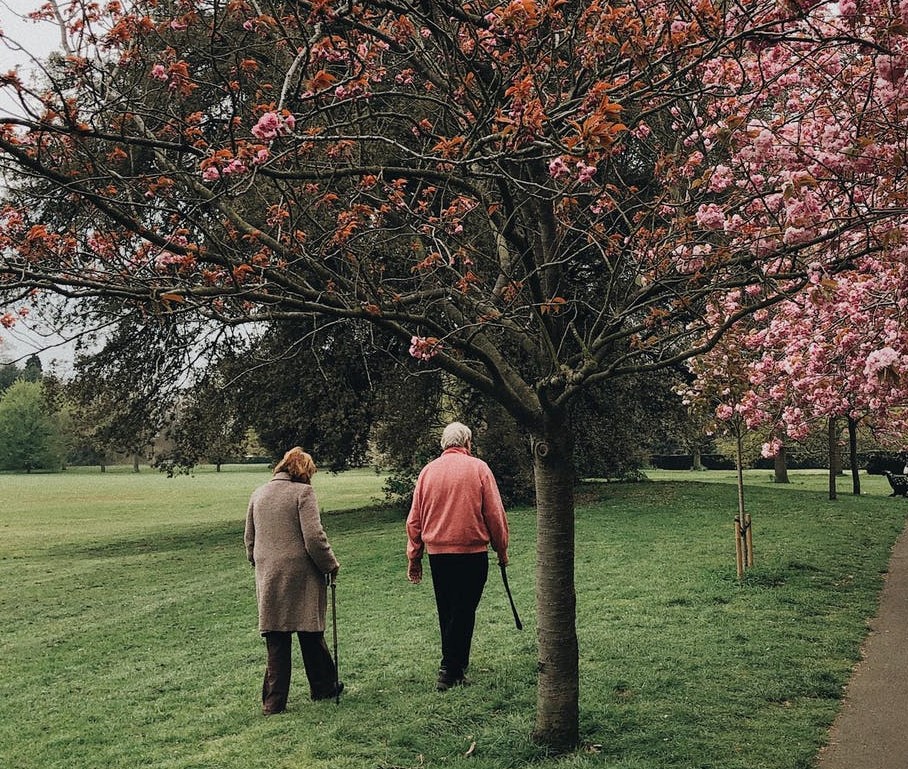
{"x":287,"y":545}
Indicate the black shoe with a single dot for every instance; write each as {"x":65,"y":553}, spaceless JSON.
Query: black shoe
{"x":335,"y":692}
{"x":446,"y":681}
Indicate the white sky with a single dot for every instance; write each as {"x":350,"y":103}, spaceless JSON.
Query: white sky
{"x":21,"y":40}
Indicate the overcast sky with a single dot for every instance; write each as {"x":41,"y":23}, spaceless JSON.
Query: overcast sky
{"x":22,"y":39}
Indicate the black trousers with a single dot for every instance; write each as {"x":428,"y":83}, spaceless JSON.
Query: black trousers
{"x":317,"y":660}
{"x":458,"y":581}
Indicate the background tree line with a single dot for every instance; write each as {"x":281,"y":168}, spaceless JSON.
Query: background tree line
{"x":338,"y":389}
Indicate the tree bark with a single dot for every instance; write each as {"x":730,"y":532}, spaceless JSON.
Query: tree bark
{"x":557,"y":697}
{"x":697,"y":459}
{"x":739,"y":466}
{"x":853,"y":451}
{"x":780,"y":466}
{"x":833,"y":457}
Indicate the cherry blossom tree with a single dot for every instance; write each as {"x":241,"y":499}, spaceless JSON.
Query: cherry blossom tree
{"x":846,"y":360}
{"x":836,"y":353}
{"x":533,"y":195}
{"x":721,"y":397}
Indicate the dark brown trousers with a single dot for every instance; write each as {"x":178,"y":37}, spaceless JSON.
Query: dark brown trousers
{"x":317,"y":660}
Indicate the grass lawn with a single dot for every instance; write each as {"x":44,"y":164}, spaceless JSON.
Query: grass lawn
{"x":129,"y":628}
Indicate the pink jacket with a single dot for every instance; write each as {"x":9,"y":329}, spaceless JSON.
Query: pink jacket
{"x":456,"y":508}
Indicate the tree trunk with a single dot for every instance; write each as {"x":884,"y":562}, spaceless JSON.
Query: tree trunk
{"x":780,"y":466}
{"x":557,"y":696}
{"x":833,"y":457}
{"x":739,"y":466}
{"x":853,"y":450}
{"x":697,"y":459}
{"x":135,"y":463}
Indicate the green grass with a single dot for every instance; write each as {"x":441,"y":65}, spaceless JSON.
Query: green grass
{"x":129,"y":640}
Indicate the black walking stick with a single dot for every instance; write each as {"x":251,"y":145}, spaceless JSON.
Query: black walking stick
{"x":330,"y":580}
{"x":507,"y":589}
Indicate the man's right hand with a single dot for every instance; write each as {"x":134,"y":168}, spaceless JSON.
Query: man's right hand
{"x":414,"y":571}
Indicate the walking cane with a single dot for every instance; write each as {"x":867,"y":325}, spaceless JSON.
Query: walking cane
{"x":507,"y":589}
{"x":330,"y":580}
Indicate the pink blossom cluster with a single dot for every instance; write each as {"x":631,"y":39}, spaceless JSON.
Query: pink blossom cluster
{"x":839,"y":349}
{"x":562,"y":169}
{"x":884,"y":359}
{"x":224,"y":164}
{"x":212,"y":173}
{"x":424,"y":348}
{"x":272,"y":125}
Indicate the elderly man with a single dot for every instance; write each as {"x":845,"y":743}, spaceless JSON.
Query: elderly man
{"x":456,"y":514}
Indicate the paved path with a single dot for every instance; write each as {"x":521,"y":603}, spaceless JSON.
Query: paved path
{"x":871,"y":730}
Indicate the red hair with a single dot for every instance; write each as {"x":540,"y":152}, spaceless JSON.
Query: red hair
{"x":298,"y":464}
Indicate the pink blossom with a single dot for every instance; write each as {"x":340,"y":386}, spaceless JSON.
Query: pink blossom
{"x":235,"y":166}
{"x":721,"y":179}
{"x":724,"y":412}
{"x":586,"y":173}
{"x":771,"y":448}
{"x":271,"y":125}
{"x":558,"y":168}
{"x":159,"y":72}
{"x":211,"y":174}
{"x":710,"y":217}
{"x":424,"y":348}
{"x":267,"y":127}
{"x":880,"y":360}
{"x":848,"y":9}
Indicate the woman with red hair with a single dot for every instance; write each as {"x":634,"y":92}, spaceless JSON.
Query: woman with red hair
{"x":289,"y":549}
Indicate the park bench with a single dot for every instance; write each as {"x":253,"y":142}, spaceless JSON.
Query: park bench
{"x":899,"y":484}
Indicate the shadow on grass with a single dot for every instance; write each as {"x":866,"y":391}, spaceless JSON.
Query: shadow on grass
{"x":225,"y":534}
{"x":163,"y":540}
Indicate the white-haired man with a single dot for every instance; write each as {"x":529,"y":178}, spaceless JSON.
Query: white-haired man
{"x":457,"y":513}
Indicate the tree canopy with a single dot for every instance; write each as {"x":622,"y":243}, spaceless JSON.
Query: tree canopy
{"x":535,"y":195}
{"x":31,"y":437}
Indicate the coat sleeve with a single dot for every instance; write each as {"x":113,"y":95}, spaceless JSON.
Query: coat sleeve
{"x":314,"y":537}
{"x":493,"y":513}
{"x":249,"y":534}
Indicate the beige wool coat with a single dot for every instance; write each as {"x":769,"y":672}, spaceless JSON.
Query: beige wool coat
{"x":287,"y":545}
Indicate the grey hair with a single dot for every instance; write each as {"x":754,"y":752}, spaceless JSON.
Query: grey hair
{"x":456,"y":434}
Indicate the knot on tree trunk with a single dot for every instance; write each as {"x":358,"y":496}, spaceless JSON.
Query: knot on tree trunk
{"x":541,"y":449}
